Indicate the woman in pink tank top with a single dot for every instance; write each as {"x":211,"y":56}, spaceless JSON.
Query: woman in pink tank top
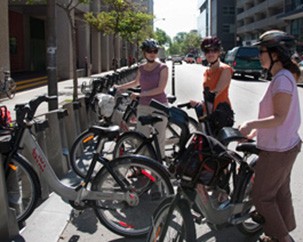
{"x":276,"y":131}
{"x":152,"y":77}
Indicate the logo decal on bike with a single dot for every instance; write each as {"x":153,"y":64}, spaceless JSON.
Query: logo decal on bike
{"x":39,"y":160}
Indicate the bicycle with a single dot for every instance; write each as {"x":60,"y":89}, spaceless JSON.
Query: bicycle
{"x":93,"y":139}
{"x":121,"y":191}
{"x":214,"y":187}
{"x":134,"y":142}
{"x":8,"y":85}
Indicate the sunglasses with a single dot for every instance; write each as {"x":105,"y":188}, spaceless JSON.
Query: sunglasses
{"x":214,"y":50}
{"x":155,"y":51}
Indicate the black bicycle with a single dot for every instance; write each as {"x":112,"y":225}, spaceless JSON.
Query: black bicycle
{"x":214,"y":187}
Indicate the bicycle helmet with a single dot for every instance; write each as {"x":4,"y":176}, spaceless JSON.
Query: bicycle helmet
{"x":279,"y":42}
{"x":149,"y":44}
{"x":210,"y":42}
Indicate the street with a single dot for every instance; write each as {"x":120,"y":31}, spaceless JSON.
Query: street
{"x":245,"y":95}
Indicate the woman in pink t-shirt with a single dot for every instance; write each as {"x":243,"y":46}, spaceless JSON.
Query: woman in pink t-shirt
{"x":152,"y":77}
{"x":276,"y":131}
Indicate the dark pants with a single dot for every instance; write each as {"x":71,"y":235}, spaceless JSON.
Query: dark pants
{"x":271,"y":191}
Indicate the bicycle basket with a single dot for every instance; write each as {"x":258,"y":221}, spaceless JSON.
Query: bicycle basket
{"x":203,"y":161}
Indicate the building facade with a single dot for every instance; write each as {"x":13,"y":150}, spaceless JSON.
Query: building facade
{"x":240,"y":22}
{"x":217,"y":18}
{"x":23,"y":39}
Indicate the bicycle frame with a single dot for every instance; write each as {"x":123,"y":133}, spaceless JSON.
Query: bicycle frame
{"x":63,"y":190}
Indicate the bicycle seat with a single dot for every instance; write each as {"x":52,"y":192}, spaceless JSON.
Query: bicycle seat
{"x":248,"y":147}
{"x":149,"y":119}
{"x":229,"y":134}
{"x":110,"y":132}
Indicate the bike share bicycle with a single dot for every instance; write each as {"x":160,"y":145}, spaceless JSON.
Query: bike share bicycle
{"x":214,"y":187}
{"x":8,"y":85}
{"x":122,"y":194}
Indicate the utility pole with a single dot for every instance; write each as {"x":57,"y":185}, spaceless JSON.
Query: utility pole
{"x":52,"y":53}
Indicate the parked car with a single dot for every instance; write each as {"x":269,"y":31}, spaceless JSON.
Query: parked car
{"x":177,"y":59}
{"x":190,"y":58}
{"x":245,"y":61}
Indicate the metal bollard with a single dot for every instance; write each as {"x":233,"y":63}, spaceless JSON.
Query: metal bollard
{"x":62,"y":113}
{"x":54,"y":146}
{"x":8,"y":223}
{"x":82,"y":115}
{"x":70,"y":125}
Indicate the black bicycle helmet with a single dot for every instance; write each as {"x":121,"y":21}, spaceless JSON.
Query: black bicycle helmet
{"x":149,"y":44}
{"x":210,"y":42}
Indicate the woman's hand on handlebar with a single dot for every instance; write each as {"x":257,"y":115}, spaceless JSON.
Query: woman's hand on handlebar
{"x":194,"y":103}
{"x":134,"y":95}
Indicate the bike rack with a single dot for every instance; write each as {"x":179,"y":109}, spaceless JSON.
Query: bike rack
{"x":8,"y":224}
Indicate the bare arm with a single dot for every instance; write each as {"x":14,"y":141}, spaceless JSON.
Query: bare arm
{"x":223,"y":82}
{"x":130,"y":84}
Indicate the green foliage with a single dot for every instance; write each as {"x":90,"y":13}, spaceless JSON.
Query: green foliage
{"x":162,"y":37}
{"x":122,"y":18}
{"x":184,"y":43}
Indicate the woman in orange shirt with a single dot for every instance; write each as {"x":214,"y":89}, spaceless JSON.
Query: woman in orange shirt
{"x":216,"y":80}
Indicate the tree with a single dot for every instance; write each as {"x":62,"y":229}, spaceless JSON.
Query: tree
{"x":69,"y":8}
{"x":122,"y":19}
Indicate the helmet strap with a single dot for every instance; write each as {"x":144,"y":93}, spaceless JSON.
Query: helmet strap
{"x":214,"y":62}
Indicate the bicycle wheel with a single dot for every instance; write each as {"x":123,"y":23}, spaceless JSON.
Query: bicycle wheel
{"x":23,"y":187}
{"x":146,"y":181}
{"x":249,"y":226}
{"x":180,"y":223}
{"x":10,"y":88}
{"x":132,"y":142}
{"x":82,"y":151}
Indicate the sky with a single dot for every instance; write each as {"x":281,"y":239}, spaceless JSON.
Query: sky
{"x":179,"y":15}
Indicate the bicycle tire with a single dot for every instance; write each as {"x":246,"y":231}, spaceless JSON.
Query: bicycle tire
{"x":133,"y":142}
{"x":180,"y":228}
{"x":146,"y":179}
{"x":249,"y":227}
{"x":10,"y":88}
{"x":23,"y":187}
{"x":82,"y":151}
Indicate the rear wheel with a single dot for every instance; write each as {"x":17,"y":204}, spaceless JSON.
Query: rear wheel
{"x":147,"y":183}
{"x":249,"y":226}
{"x":133,"y":142}
{"x":180,"y":224}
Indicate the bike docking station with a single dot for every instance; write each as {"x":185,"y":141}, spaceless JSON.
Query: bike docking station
{"x":55,"y":131}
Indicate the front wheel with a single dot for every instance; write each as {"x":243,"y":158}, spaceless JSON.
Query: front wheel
{"x":175,"y":226}
{"x":148,"y":184}
{"x":23,"y":188}
{"x":10,"y":88}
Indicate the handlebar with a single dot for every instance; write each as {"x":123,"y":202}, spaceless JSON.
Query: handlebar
{"x":27,"y":111}
{"x":160,"y":106}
